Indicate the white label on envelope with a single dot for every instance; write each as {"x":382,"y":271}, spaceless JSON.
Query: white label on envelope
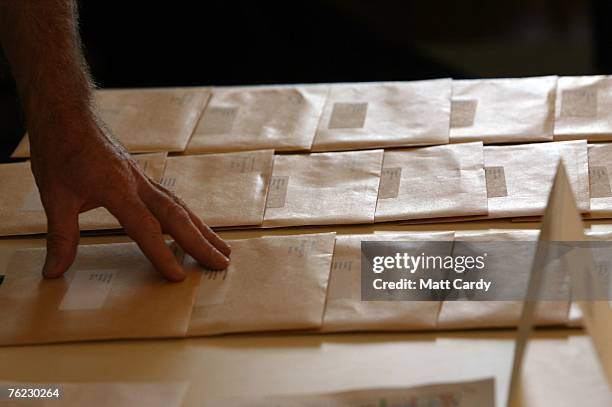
{"x":244,"y":164}
{"x":344,"y":281}
{"x":389,"y":183}
{"x":463,"y":113}
{"x":348,"y":116}
{"x":277,"y":193}
{"x":495,"y":178}
{"x":88,"y":289}
{"x":599,"y":182}
{"x":579,"y":102}
{"x":301,"y":248}
{"x":213,"y":287}
{"x":219,"y":119}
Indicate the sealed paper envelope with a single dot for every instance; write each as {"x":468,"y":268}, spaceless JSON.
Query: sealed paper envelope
{"x":323,"y":188}
{"x":519,"y":177}
{"x":432,"y":182}
{"x":508,"y":110}
{"x":223,"y":189}
{"x":602,"y":264}
{"x":509,"y":259}
{"x":273,"y":283}
{"x":584,"y":108}
{"x":279,"y":118}
{"x":477,"y":393}
{"x":385,"y":114}
{"x":146,"y":120}
{"x":345,"y":311}
{"x":22,"y":212}
{"x":110,"y":292}
{"x":600,"y":171}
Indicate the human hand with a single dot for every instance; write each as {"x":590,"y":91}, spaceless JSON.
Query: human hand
{"x":78,"y":166}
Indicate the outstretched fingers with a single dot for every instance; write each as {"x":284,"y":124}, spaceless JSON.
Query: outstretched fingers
{"x":206,"y":247}
{"x":143,"y":227}
{"x":206,"y":231}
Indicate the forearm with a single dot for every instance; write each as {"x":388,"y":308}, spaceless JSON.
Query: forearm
{"x":41,"y":42}
{"x":76,"y":164}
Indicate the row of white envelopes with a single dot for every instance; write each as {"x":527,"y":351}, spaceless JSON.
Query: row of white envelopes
{"x":275,"y":283}
{"x":333,"y":117}
{"x":452,"y":182}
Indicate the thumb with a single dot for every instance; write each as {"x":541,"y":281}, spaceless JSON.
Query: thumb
{"x":62,"y":241}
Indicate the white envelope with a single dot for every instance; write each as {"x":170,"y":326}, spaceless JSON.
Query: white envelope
{"x":583,"y":108}
{"x":432,"y":182}
{"x":600,"y":169}
{"x":477,"y":393}
{"x":508,"y":110}
{"x":274,"y":283}
{"x":323,"y":189}
{"x":279,"y":118}
{"x":385,"y":114}
{"x":512,"y":268}
{"x":345,"y":311}
{"x":223,"y":189}
{"x":519,"y":177}
{"x":112,"y":291}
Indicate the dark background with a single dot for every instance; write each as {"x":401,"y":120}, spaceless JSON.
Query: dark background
{"x":144,"y":44}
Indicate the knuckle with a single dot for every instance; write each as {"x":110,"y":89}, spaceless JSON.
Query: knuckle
{"x":176,"y":199}
{"x":161,"y":187}
{"x":180,"y":202}
{"x":157,"y":185}
{"x":117,"y":192}
{"x":170,"y":194}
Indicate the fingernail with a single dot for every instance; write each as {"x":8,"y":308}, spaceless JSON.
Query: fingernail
{"x":177,"y":276}
{"x":227,"y":261}
{"x":221,"y":264}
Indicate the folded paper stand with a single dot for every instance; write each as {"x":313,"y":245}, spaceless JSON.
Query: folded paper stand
{"x":562,"y":223}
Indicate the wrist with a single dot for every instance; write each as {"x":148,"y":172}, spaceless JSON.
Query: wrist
{"x":57,"y":102}
{"x":60,"y":115}
{"x":63,"y":128}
